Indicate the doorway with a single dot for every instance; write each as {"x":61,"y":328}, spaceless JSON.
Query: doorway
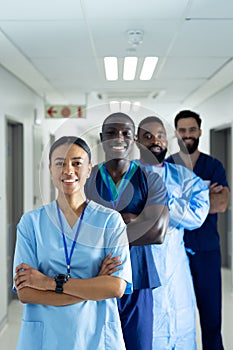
{"x":221,"y":148}
{"x":15,"y":192}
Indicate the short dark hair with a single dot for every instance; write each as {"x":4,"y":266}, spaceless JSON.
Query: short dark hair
{"x":70,"y":140}
{"x":150,"y":119}
{"x":118,"y":115}
{"x":187,"y":114}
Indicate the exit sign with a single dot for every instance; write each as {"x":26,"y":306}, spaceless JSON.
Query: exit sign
{"x":64,"y":111}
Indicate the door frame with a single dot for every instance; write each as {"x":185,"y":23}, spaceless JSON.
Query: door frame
{"x":14,"y":190}
{"x":228,"y":149}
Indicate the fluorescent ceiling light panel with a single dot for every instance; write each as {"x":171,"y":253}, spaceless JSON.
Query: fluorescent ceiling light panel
{"x":111,"y":68}
{"x":130,"y":66}
{"x":148,"y":68}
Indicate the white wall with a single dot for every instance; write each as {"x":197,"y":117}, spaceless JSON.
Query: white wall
{"x":217,"y":112}
{"x":17,"y":102}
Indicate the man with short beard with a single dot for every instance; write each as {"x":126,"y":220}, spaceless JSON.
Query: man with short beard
{"x":203,"y":245}
{"x":174,"y":305}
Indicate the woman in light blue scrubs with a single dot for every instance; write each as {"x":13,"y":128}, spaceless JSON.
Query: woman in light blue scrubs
{"x":69,"y":302}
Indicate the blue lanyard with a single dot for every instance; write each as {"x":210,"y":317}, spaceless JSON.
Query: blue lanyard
{"x":116,"y":202}
{"x":68,"y":258}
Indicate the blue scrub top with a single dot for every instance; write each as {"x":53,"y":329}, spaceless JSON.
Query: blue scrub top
{"x":82,"y":326}
{"x":174,"y":303}
{"x":205,"y":238}
{"x":140,"y":190}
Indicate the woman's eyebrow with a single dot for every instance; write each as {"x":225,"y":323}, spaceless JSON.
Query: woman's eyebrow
{"x":74,"y":158}
{"x":59,"y":158}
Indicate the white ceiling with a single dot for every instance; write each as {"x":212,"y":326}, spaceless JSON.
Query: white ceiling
{"x":57,"y":47}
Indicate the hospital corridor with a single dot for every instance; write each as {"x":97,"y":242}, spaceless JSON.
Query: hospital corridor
{"x":66,"y":69}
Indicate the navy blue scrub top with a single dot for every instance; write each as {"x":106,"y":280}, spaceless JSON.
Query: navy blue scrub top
{"x":205,"y":238}
{"x":133,"y":199}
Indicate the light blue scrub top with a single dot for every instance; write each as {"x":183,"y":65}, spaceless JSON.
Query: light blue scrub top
{"x":174,"y":302}
{"x":87,"y":325}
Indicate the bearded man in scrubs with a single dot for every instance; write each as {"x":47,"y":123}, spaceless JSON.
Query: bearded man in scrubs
{"x":203,"y":245}
{"x":188,"y":202}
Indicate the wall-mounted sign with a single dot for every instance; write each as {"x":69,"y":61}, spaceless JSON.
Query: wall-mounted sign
{"x":62,"y":111}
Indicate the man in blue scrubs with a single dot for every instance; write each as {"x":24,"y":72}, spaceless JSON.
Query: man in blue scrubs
{"x":119,"y":183}
{"x":174,"y":304}
{"x":203,"y":244}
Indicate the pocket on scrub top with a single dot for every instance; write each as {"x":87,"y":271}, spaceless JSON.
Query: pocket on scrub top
{"x":31,"y":336}
{"x":113,"y":336}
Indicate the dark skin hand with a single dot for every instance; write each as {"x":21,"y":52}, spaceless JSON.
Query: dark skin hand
{"x":149,"y":227}
{"x":128,"y":217}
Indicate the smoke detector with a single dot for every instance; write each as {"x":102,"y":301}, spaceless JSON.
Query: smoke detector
{"x":135,"y":37}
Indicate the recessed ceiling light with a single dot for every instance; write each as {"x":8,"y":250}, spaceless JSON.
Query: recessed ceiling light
{"x":111,"y":68}
{"x":130,"y":66}
{"x":148,"y":68}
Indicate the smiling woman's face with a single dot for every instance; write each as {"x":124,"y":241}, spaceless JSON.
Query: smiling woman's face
{"x":69,"y":168}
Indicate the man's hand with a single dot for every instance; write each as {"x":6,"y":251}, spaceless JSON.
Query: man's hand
{"x":215,"y":188}
{"x":219,"y":197}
